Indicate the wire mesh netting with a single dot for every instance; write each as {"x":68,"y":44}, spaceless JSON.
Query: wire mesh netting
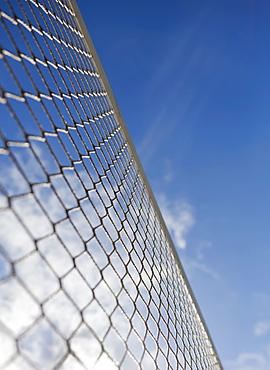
{"x":89,"y":278}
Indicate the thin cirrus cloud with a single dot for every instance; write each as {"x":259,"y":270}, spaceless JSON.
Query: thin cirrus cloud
{"x":178,"y":102}
{"x":193,"y":265}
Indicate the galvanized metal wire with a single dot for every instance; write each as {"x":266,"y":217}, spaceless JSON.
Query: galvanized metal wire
{"x":89,"y":278}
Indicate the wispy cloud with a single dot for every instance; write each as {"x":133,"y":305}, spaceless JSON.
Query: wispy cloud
{"x":201,"y":249}
{"x":250,"y":361}
{"x":179,"y":218}
{"x":159,"y":130}
{"x":173,"y":98}
{"x":192,"y":265}
{"x":184,"y":50}
{"x":261,"y":328}
{"x":168,"y":171}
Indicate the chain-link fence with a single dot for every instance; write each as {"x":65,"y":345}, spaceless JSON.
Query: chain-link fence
{"x":89,"y":278}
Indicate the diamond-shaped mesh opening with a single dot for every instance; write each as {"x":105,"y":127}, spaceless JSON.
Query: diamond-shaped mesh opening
{"x":43,"y":346}
{"x":37,"y":276}
{"x":135,"y":345}
{"x":121,"y":322}
{"x":34,"y":218}
{"x":130,"y":363}
{"x":115,"y":346}
{"x":15,"y":240}
{"x":77,"y":289}
{"x":63,"y":314}
{"x":105,"y":297}
{"x":112,"y":279}
{"x":148,"y":361}
{"x":18,"y":310}
{"x":97,"y":319}
{"x":86,"y":346}
{"x":89,"y":278}
{"x":56,"y":255}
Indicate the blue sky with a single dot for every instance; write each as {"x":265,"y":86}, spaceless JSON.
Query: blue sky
{"x":192,"y":81}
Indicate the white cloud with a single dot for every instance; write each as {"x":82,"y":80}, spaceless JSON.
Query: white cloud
{"x":261,"y":328}
{"x":249,"y":361}
{"x":179,"y":219}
